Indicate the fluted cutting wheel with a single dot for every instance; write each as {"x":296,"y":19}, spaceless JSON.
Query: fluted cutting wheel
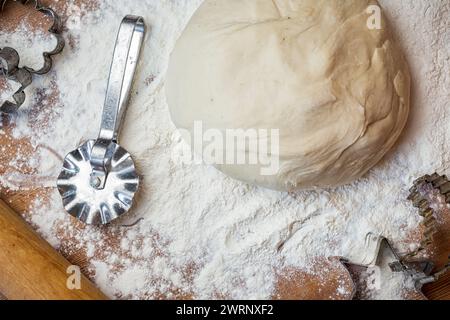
{"x":98,"y":206}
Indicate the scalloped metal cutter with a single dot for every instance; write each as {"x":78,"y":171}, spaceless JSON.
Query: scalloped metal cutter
{"x":9,"y":58}
{"x":98,"y":181}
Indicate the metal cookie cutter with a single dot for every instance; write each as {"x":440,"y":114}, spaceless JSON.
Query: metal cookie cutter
{"x":418,"y":196}
{"x":10,"y":57}
{"x":9,"y":67}
{"x":99,"y":180}
{"x":378,"y":250}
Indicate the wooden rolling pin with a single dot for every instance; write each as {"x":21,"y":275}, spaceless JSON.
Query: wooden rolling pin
{"x":31,"y":269}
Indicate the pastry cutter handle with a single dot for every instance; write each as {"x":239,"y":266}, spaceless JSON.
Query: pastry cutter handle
{"x":126,"y":55}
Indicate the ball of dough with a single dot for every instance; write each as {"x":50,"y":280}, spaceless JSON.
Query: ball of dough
{"x":337,"y":90}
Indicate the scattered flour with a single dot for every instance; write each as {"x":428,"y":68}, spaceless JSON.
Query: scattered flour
{"x":200,"y":233}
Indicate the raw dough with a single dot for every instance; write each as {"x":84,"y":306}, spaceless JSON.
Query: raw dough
{"x":337,"y":90}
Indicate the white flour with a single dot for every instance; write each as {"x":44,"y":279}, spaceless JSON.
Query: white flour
{"x":202,"y":233}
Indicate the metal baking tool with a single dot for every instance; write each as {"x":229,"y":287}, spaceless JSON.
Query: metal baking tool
{"x":55,"y":30}
{"x":11,"y":57}
{"x":379,"y":252}
{"x":420,"y":270}
{"x":9,"y":68}
{"x":418,"y":195}
{"x":98,"y":181}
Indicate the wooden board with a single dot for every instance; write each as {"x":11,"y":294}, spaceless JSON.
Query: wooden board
{"x":291,"y":284}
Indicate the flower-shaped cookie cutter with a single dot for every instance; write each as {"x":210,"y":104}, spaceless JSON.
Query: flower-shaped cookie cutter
{"x":9,"y":67}
{"x":10,"y":58}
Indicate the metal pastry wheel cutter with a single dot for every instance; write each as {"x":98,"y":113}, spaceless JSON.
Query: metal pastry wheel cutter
{"x":98,"y":181}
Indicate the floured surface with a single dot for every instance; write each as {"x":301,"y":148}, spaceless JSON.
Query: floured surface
{"x":204,"y":235}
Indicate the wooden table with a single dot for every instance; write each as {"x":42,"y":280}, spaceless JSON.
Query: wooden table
{"x":287,"y":287}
